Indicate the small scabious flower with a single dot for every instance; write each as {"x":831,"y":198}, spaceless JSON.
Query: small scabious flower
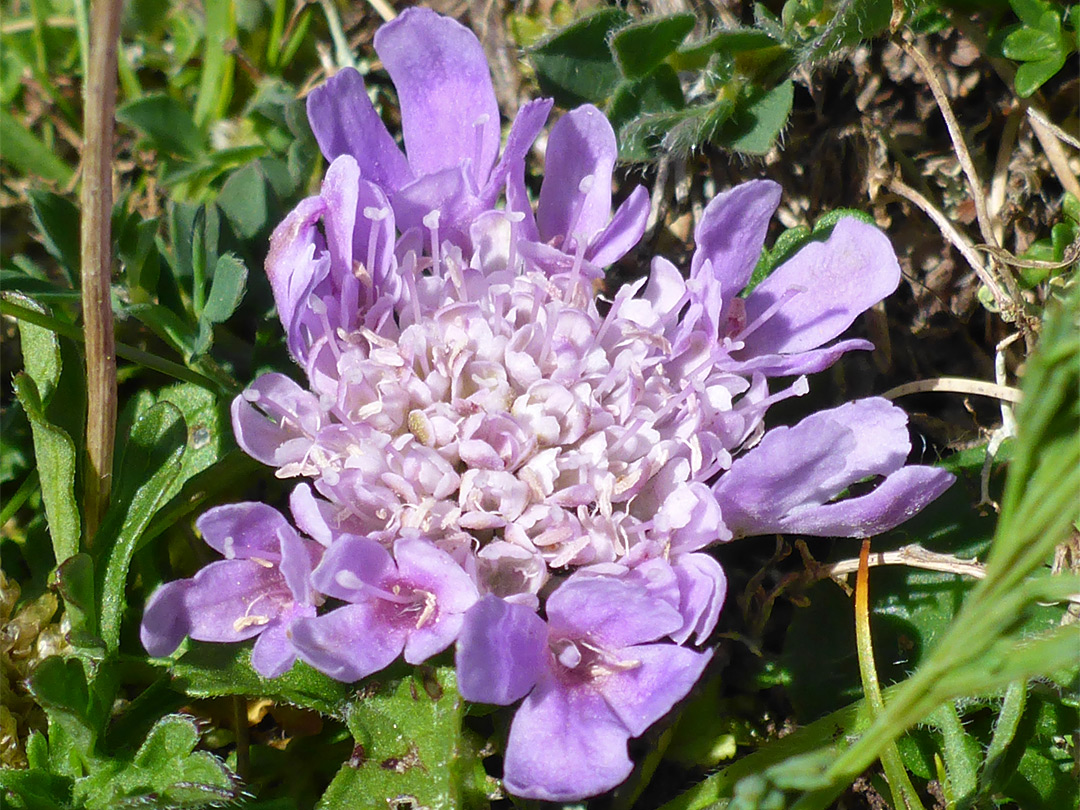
{"x":481,"y":442}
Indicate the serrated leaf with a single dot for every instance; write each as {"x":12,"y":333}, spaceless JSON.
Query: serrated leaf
{"x":57,"y":221}
{"x":144,"y":473}
{"x":640,"y":47}
{"x":55,"y":455}
{"x":213,"y":670}
{"x":574,"y":64}
{"x":59,"y":687}
{"x":165,"y":122}
{"x":756,"y":123}
{"x":408,"y":742}
{"x":166,"y":771}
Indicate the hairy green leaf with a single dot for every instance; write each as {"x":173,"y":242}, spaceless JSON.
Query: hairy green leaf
{"x":640,"y":47}
{"x":165,"y":122}
{"x":574,"y":64}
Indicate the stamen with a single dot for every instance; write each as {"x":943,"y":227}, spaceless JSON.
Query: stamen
{"x":431,"y":222}
{"x":769,"y":312}
{"x":245,"y":622}
{"x":478,"y":136}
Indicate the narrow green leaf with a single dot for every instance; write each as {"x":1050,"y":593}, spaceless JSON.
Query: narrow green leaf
{"x":165,"y":122}
{"x":640,"y":47}
{"x":24,"y":151}
{"x":40,"y":350}
{"x":216,"y":79}
{"x":55,"y":455}
{"x":574,"y":64}
{"x":75,"y":580}
{"x":150,"y":462}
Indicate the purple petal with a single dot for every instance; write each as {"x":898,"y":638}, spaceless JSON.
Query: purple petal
{"x":837,"y":281}
{"x":692,"y":516}
{"x":805,"y":466}
{"x":623,"y":232}
{"x":581,"y":145}
{"x":233,"y":600}
{"x":448,"y":108}
{"x":732,"y":232}
{"x":349,"y":643}
{"x":245,"y":530}
{"x":616,"y":612}
{"x":528,"y":122}
{"x":564,"y":744}
{"x":422,"y":565}
{"x":449,"y":191}
{"x":298,"y":558}
{"x":313,"y":515}
{"x":351,"y":563}
{"x":792,"y":365}
{"x":294,"y":265}
{"x":702,"y":588}
{"x":165,"y":622}
{"x":896,"y":499}
{"x":345,"y":123}
{"x":642,"y":694}
{"x":273,"y":653}
{"x":432,"y":637}
{"x":279,"y":430}
{"x":340,"y":189}
{"x":500,"y":652}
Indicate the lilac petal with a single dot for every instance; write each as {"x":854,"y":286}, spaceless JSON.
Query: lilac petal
{"x":298,"y":558}
{"x":640,"y":695}
{"x":433,"y":637}
{"x":839,"y":279}
{"x":581,"y":145}
{"x":623,"y":232}
{"x":245,"y":530}
{"x":165,"y":622}
{"x":896,"y":499}
{"x":517,"y":201}
{"x":233,"y":600}
{"x":279,"y":430}
{"x":294,"y":267}
{"x":702,"y":588}
{"x":373,"y":238}
{"x":806,"y":465}
{"x":528,"y":122}
{"x":449,"y":191}
{"x":732,"y":232}
{"x":692,"y":516}
{"x":448,"y":108}
{"x":564,"y":744}
{"x":349,"y":643}
{"x":345,"y":123}
{"x":792,"y":365}
{"x":423,"y":565}
{"x":613,"y":611}
{"x":351,"y":563}
{"x":500,"y":652}
{"x":340,"y":189}
{"x":273,"y":653}
{"x":313,"y":515}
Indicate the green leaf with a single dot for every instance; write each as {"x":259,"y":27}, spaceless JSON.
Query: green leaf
{"x":166,"y":772}
{"x":659,"y":92}
{"x":640,"y":47}
{"x":216,"y":78}
{"x":226,"y":291}
{"x":574,"y":64}
{"x":1030,"y":12}
{"x":213,"y":670}
{"x":244,"y":199}
{"x":168,"y":326}
{"x":59,"y":687}
{"x":144,"y":474}
{"x":55,"y":455}
{"x":408,"y":743}
{"x":28,"y":154}
{"x":40,"y":350}
{"x":35,"y":790}
{"x":165,"y":122}
{"x":1030,"y":76}
{"x":57,"y":220}
{"x":75,"y":580}
{"x":1030,"y":44}
{"x":756,"y":123}
{"x":695,"y":55}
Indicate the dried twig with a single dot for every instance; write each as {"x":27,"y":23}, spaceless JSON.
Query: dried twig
{"x":956,"y":385}
{"x":98,"y":124}
{"x":913,"y":556}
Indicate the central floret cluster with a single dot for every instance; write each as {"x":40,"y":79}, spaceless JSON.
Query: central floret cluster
{"x":496,"y":457}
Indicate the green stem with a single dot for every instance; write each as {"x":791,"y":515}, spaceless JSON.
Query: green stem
{"x":145,"y":359}
{"x":98,"y":106}
{"x":342,"y":52}
{"x":26,"y":488}
{"x":903,"y":792}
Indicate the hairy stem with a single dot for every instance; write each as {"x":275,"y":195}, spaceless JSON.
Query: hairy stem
{"x":98,"y":106}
